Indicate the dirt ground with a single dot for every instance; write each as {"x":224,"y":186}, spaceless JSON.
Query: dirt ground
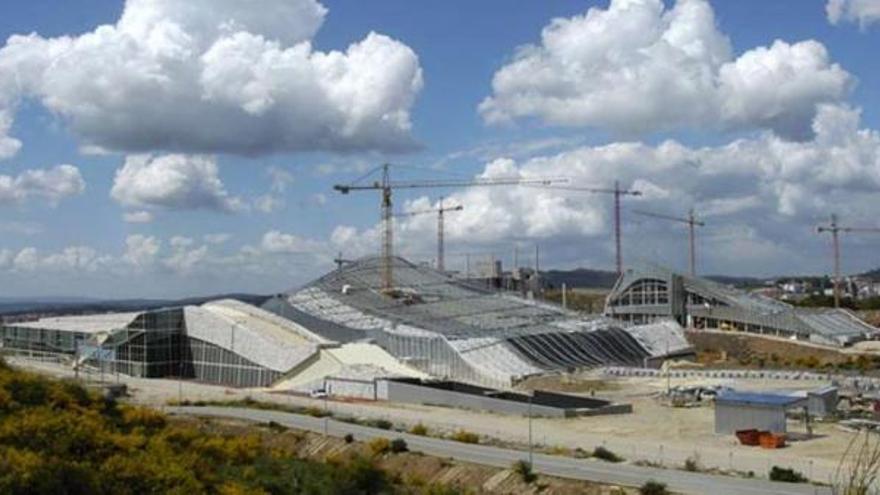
{"x":652,"y":433}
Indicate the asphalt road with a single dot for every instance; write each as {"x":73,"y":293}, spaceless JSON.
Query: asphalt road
{"x":563,"y":467}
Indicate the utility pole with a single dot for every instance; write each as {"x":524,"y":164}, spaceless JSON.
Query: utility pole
{"x":537,"y":271}
{"x":692,"y":223}
{"x":835,"y":229}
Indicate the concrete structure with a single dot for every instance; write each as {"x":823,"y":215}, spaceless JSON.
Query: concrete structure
{"x":451,"y":329}
{"x":226,"y":342}
{"x":735,"y":411}
{"x":820,"y":402}
{"x":646,"y":295}
{"x":464,"y":396}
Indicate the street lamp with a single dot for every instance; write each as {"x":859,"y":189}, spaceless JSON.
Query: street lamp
{"x":531,"y":454}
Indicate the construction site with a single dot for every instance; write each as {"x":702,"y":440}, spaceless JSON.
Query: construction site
{"x":382,"y":336}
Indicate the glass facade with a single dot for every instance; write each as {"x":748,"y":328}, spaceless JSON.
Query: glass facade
{"x":154,"y":345}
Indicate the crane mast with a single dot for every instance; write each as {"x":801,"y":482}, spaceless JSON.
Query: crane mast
{"x":692,"y":223}
{"x":441,"y":222}
{"x":618,"y":194}
{"x":386,"y":187}
{"x":835,"y":229}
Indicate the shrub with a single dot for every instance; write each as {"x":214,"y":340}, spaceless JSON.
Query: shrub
{"x":464,"y":436}
{"x":349,"y":438}
{"x":692,"y":463}
{"x":787,"y":475}
{"x":398,"y":445}
{"x":419,"y":429}
{"x":653,"y":488}
{"x":382,"y":424}
{"x":606,"y":455}
{"x":379,"y":446}
{"x":316,"y":412}
{"x":524,"y":470}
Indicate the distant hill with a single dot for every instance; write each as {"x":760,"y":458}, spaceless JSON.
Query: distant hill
{"x":580,"y":277}
{"x":874,"y":274}
{"x":72,"y":305}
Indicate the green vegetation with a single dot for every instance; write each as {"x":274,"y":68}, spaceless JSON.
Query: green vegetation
{"x":787,"y":475}
{"x":58,"y":438}
{"x":465,"y":437}
{"x":524,"y":470}
{"x":653,"y":488}
{"x":821,"y":301}
{"x":419,"y":429}
{"x":398,"y":445}
{"x":606,"y":455}
{"x":578,"y":300}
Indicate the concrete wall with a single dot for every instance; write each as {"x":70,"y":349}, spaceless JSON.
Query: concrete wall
{"x":729,"y":418}
{"x":351,"y":388}
{"x":417,"y":394}
{"x":554,"y":405}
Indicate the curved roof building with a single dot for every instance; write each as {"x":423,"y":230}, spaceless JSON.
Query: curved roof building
{"x":648,"y":294}
{"x":450,"y":329}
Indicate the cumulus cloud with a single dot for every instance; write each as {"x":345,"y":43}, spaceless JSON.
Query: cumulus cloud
{"x":639,"y":67}
{"x":174,"y":182}
{"x":140,"y":250}
{"x":52,"y":185}
{"x":141,"y":216}
{"x":770,"y":190}
{"x":863,"y":12}
{"x":276,"y":242}
{"x":212,"y":76}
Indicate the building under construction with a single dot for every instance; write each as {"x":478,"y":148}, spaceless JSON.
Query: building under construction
{"x":448,"y":328}
{"x":651,"y":294}
{"x":347,"y":327}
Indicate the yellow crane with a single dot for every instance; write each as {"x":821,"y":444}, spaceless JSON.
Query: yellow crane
{"x":441,"y":213}
{"x":386,"y":186}
{"x":692,"y":223}
{"x":835,"y":229}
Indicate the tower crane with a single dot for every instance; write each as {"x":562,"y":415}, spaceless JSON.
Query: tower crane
{"x":441,"y":212}
{"x":618,"y":193}
{"x":692,"y":223}
{"x":835,"y":229}
{"x":387,"y":186}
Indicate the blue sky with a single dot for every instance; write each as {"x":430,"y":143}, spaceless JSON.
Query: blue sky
{"x":263,"y":217}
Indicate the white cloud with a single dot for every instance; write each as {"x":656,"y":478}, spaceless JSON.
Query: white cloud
{"x":216,"y":239}
{"x":864,"y":12}
{"x":141,"y":216}
{"x":209,"y":76}
{"x":268,"y":203}
{"x":280,"y":179}
{"x":772,"y":190}
{"x":275,"y":242}
{"x":174,"y":182}
{"x":72,"y":258}
{"x":638,"y":67}
{"x":141,"y":251}
{"x":53,"y":185}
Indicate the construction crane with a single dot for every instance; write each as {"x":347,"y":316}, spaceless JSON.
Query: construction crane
{"x":692,"y":223}
{"x":835,"y":229}
{"x":386,"y":186}
{"x":618,"y":193}
{"x":441,"y":212}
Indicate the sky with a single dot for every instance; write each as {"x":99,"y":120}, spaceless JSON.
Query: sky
{"x":155,"y":148}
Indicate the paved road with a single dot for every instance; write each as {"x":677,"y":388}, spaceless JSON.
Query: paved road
{"x":564,"y":467}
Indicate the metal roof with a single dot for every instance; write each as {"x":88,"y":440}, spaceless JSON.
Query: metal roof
{"x":106,"y":322}
{"x":758,"y":399}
